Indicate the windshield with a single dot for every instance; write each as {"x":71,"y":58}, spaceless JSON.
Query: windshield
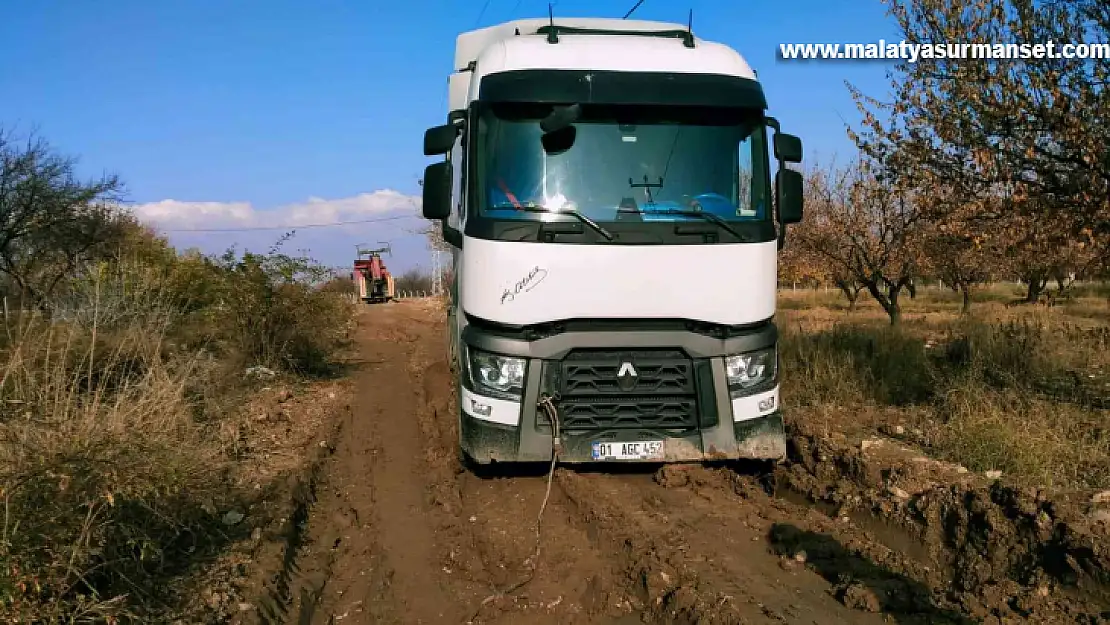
{"x":638,"y":163}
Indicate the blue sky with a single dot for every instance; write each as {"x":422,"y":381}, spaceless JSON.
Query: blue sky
{"x":274,"y":112}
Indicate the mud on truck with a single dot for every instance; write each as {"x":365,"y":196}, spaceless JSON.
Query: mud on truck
{"x":606,"y":193}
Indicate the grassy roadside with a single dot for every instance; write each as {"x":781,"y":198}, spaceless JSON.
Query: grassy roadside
{"x":119,"y":432}
{"x":1024,"y":390}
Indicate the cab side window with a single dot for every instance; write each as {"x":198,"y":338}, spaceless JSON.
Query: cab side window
{"x":744,"y":179}
{"x":462,"y":185}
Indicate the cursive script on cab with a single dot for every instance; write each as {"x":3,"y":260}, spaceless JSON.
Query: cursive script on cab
{"x":525,"y":284}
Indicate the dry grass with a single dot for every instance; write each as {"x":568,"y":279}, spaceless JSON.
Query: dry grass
{"x":1021,"y":389}
{"x":104,"y":471}
{"x":114,"y":458}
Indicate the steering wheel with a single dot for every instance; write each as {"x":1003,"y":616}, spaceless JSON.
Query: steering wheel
{"x":713,"y":198}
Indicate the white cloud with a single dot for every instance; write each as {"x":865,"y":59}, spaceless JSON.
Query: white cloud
{"x":220,"y":225}
{"x":186,"y":215}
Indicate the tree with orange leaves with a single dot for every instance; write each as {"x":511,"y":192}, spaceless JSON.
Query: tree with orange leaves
{"x":1041,"y":256}
{"x":1023,"y":143}
{"x":801,"y":261}
{"x":951,"y":249}
{"x":797,"y":264}
{"x":866,"y":230}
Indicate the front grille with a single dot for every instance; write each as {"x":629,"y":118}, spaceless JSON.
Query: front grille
{"x":593,"y":396}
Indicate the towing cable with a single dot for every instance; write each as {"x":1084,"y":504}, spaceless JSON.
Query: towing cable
{"x":547,"y":405}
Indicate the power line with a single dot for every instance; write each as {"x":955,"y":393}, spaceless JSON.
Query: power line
{"x":633,"y":9}
{"x":481,"y":13}
{"x":328,"y":225}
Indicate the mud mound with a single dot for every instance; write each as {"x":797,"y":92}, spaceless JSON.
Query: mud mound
{"x":1002,"y":552}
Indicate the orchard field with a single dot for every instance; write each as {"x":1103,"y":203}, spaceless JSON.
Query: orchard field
{"x":1009,"y":387}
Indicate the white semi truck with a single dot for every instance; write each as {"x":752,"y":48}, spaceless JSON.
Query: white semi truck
{"x":607,"y":194}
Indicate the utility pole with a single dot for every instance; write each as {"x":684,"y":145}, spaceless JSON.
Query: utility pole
{"x":437,"y":274}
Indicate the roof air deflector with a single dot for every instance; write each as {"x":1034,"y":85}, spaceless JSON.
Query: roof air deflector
{"x":554,"y":31}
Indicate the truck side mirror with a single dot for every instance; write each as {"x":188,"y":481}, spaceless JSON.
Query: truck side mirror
{"x":440,"y":140}
{"x":437,"y":190}
{"x":788,"y":189}
{"x":788,"y":148}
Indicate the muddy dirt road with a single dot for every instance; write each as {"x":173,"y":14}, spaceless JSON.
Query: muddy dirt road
{"x":400,"y":533}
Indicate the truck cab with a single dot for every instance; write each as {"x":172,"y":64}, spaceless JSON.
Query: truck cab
{"x":606,"y":190}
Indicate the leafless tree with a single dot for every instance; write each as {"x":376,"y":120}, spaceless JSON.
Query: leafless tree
{"x":51,"y":222}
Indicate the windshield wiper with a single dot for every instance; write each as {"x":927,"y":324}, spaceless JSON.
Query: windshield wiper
{"x":710,"y":217}
{"x":579,"y":216}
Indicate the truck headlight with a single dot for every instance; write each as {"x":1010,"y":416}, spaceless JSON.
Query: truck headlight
{"x":494,"y":374}
{"x":751,"y":369}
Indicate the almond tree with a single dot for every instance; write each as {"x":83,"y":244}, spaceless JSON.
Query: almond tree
{"x":801,"y":262}
{"x":952,"y":248}
{"x":866,"y":229}
{"x":797,"y":263}
{"x":962,"y":261}
{"x":1041,"y":257}
{"x":843,"y":280}
{"x":1024,"y":143}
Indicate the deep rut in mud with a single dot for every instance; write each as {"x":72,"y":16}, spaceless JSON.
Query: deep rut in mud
{"x":398,"y":532}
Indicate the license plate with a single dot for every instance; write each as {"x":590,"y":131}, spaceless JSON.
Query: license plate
{"x":635,"y":450}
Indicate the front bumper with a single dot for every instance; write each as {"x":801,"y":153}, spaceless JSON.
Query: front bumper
{"x":760,"y":438}
{"x":695,"y":418}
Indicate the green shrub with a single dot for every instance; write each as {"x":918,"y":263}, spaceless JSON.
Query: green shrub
{"x":274,"y":313}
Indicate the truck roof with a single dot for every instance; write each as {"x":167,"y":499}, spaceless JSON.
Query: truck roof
{"x":469,"y":45}
{"x":517,"y":45}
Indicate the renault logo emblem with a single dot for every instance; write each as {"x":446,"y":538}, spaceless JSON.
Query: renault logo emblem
{"x":626,"y":376}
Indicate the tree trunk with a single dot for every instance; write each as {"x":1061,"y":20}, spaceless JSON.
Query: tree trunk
{"x":1036,"y":285}
{"x":1063,"y":285}
{"x":849,"y":292}
{"x":894,"y":310}
{"x":1033,"y":292}
{"x":888,"y":300}
{"x":965,"y":291}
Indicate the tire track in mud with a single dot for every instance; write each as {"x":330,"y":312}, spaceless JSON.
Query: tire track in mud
{"x":386,"y":569}
{"x":367,"y":552}
{"x":402,"y":533}
{"x":489,"y":521}
{"x":273,"y":606}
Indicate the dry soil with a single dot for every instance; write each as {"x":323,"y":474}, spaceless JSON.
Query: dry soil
{"x":389,"y":527}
